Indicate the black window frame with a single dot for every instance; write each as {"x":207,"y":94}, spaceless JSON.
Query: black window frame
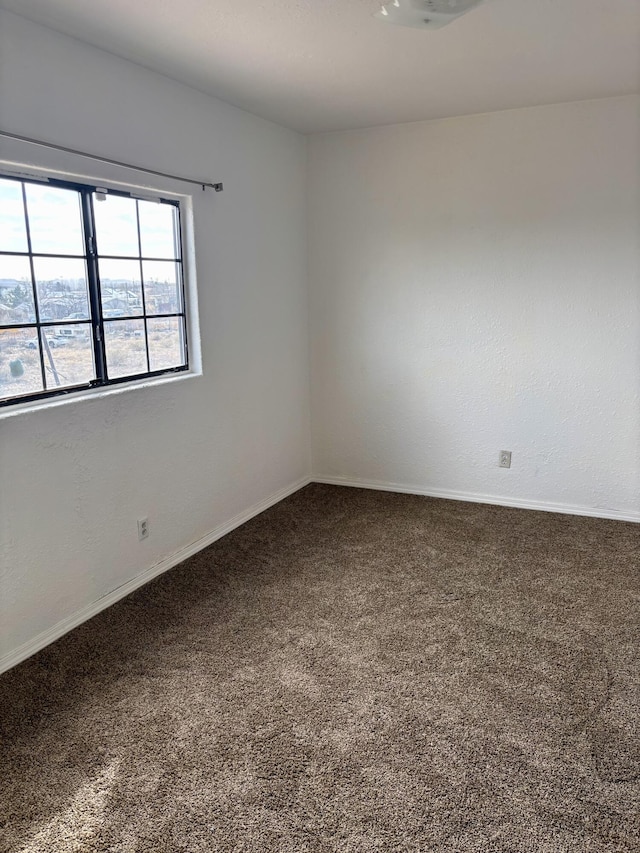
{"x":97,"y":319}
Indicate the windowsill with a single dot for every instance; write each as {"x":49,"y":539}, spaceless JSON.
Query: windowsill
{"x":94,"y":394}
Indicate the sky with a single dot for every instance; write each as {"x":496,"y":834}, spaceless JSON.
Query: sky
{"x":55,"y":225}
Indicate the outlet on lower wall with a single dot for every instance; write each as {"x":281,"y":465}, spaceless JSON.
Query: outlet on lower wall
{"x":505,"y":459}
{"x":143,"y":528}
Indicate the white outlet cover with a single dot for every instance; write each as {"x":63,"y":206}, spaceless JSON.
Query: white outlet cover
{"x":504,"y":460}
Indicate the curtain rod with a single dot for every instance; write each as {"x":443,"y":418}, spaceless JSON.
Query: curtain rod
{"x":204,"y":184}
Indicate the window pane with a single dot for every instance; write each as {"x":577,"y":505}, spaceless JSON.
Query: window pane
{"x":16,"y":292}
{"x":62,"y":288}
{"x":166,"y":347}
{"x":19,"y":363}
{"x":158,"y":230}
{"x":13,"y":231}
{"x":69,"y":357}
{"x":126,"y":348}
{"x":121,"y":288}
{"x":161,"y":287}
{"x":116,"y":225}
{"x":54,"y":220}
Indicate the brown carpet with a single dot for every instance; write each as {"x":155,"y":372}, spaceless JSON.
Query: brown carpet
{"x":350,"y":671}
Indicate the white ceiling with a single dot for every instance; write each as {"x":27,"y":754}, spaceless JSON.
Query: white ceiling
{"x":319,"y":65}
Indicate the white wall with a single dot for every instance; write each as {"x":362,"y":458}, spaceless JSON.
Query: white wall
{"x":475,"y":287}
{"x":194,"y":454}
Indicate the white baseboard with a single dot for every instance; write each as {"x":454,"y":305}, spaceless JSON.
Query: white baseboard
{"x":39,"y":642}
{"x":29,"y":648}
{"x":447,"y":494}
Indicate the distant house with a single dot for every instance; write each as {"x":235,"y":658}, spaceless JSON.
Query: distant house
{"x":115,"y":306}
{"x":121,"y":303}
{"x":57,"y":308}
{"x":13,"y":316}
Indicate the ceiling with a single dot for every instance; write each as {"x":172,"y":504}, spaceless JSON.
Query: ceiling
{"x":322,"y":65}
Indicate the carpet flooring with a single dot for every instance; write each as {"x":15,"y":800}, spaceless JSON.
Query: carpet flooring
{"x":350,"y":671}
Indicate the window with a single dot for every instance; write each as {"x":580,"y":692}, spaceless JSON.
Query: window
{"x":91,"y":288}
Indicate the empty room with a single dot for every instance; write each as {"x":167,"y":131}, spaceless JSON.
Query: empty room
{"x":320,"y":426}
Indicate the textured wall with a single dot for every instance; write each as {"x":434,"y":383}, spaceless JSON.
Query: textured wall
{"x":475,"y":287}
{"x":193,"y":454}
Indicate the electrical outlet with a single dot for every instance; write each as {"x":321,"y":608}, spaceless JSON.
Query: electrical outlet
{"x":143,"y":528}
{"x":505,"y":459}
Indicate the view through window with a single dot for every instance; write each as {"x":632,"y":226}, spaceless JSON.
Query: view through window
{"x":91,"y":288}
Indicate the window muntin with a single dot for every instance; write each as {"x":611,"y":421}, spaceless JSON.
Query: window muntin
{"x":91,"y":288}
